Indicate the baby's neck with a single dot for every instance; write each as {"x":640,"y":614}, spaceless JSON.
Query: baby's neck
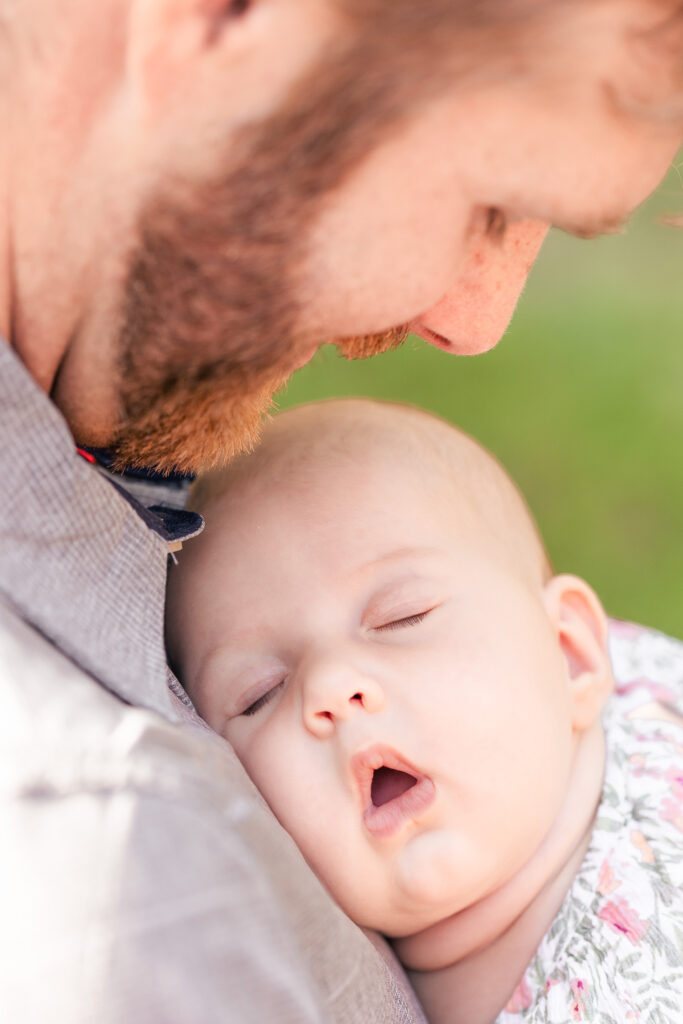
{"x":496,"y":937}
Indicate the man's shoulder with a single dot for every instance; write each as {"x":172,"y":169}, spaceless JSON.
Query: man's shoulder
{"x":142,"y":844}
{"x":61,"y":730}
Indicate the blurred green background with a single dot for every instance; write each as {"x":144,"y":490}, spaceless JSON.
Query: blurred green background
{"x":582,"y":401}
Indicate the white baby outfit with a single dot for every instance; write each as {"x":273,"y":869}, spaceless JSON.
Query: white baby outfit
{"x":614,"y":953}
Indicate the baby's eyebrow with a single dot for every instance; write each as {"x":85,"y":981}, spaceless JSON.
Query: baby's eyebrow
{"x":398,"y":555}
{"x":221,"y":658}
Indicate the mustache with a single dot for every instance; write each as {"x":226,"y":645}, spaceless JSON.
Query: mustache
{"x":365,"y":346}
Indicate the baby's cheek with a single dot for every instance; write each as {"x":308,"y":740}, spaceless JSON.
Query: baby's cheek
{"x":279,"y":773}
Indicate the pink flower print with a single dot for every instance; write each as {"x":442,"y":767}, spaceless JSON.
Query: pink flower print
{"x":675,"y":777}
{"x":664,"y":694}
{"x":549,"y":982}
{"x":641,"y":844}
{"x":657,"y":691}
{"x":578,"y":990}
{"x":606,"y":882}
{"x":671,"y":810}
{"x":632,"y":1013}
{"x":623,"y":919}
{"x":623,"y":689}
{"x":637,"y":762}
{"x":521,"y":998}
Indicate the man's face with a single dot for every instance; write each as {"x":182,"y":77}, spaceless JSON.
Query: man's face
{"x":328,"y":228}
{"x":440,"y":227}
{"x":366,"y":637}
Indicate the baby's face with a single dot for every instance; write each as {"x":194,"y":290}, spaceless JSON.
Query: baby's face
{"x":394,"y":689}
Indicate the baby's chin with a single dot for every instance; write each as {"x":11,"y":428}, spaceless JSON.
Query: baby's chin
{"x":434,"y":876}
{"x":439,"y":867}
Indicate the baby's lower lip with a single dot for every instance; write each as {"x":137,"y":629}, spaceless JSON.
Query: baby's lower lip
{"x":385,"y":821}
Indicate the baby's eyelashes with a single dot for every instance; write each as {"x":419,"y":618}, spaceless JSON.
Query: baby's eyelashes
{"x":264,"y":699}
{"x":406,"y":620}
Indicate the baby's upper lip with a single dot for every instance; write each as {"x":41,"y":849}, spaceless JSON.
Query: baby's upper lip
{"x":385,"y":819}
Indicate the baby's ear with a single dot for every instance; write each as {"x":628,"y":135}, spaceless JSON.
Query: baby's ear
{"x":579,"y":620}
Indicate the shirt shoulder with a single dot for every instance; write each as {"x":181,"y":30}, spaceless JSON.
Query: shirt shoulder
{"x":145,"y":878}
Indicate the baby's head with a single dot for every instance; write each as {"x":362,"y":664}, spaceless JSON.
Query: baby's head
{"x":371,"y":620}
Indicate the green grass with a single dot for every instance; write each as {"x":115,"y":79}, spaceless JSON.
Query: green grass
{"x":582,"y":401}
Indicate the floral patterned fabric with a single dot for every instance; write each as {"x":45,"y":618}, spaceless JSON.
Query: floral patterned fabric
{"x":614,"y":953}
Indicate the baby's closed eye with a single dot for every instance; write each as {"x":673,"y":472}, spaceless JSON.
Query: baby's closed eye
{"x":406,"y":620}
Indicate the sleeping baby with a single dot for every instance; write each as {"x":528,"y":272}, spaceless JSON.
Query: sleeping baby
{"x":372,"y":622}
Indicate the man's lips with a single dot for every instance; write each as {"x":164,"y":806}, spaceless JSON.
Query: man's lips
{"x":393,"y":792}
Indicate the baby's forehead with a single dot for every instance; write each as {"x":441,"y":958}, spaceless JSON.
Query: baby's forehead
{"x":320,"y":457}
{"x":333,"y":440}
{"x":326,"y":476}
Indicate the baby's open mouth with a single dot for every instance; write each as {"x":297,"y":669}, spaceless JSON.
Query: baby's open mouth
{"x":388,"y":783}
{"x":393,"y":792}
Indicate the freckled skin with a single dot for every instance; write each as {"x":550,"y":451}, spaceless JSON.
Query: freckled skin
{"x":404,"y":239}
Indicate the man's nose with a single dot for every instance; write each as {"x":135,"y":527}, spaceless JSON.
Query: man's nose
{"x":334,"y":691}
{"x":473,"y":315}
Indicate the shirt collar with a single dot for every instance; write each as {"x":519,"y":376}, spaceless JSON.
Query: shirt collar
{"x":158,"y":498}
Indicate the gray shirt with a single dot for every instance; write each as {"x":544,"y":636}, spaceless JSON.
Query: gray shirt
{"x":142,"y":879}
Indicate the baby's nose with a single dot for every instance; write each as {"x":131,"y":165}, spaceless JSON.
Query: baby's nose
{"x":333,"y":692}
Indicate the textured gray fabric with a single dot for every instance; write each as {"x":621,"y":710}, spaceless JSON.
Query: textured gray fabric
{"x":74,"y":559}
{"x":142,"y":879}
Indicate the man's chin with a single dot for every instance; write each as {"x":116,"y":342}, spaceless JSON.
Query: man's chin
{"x":197,"y":425}
{"x":195,"y":430}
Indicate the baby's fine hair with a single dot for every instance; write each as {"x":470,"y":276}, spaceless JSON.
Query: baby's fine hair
{"x":444,"y":459}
